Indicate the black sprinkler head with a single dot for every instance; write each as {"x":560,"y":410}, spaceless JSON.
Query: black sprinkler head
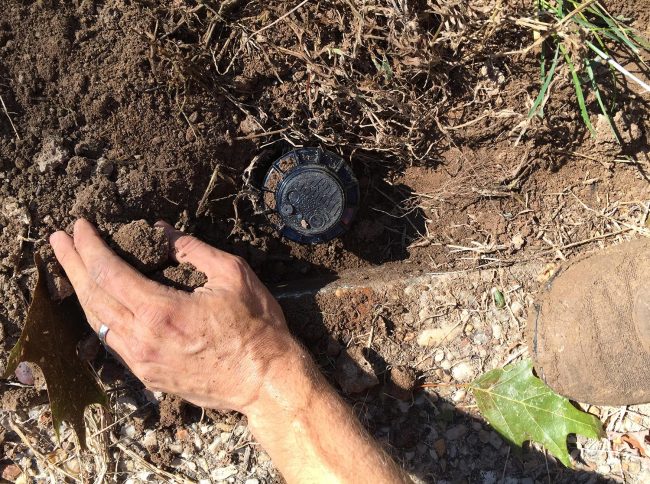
{"x":311,"y":195}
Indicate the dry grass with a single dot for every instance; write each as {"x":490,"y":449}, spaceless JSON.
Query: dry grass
{"x":374,"y":77}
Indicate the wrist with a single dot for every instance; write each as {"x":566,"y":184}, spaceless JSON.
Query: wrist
{"x":286,"y":390}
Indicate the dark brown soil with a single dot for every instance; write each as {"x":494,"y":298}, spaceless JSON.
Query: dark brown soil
{"x":128,"y":111}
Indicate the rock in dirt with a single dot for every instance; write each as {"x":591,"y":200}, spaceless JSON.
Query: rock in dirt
{"x":402,"y":383}
{"x":11,"y":473}
{"x":463,"y":372}
{"x":13,"y":210}
{"x":456,"y":432}
{"x":354,"y":372}
{"x":24,"y":373}
{"x":51,"y":155}
{"x":89,"y":147}
{"x":145,"y":247}
{"x":79,"y":167}
{"x":435,"y":336}
{"x":104,"y":167}
{"x":223,"y":473}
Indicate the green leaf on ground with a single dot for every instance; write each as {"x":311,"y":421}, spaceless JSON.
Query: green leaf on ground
{"x":522,"y":407}
{"x":49,"y":339}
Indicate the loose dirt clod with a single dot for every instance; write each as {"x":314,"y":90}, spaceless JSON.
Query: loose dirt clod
{"x":402,"y":383}
{"x":182,"y":276}
{"x":143,"y":246}
{"x":354,"y":372}
{"x":98,"y":202}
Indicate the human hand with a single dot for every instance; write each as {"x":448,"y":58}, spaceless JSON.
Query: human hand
{"x":214,"y":347}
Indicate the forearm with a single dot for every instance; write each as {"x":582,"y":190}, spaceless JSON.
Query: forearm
{"x":310,"y":433}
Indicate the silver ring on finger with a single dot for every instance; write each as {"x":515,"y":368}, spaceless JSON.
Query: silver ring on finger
{"x":103,"y":331}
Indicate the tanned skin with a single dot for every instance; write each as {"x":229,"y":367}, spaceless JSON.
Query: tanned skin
{"x":224,"y":346}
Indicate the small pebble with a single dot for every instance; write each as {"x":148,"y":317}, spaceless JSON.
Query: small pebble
{"x":214,"y":445}
{"x":463,"y":372}
{"x":408,"y":319}
{"x":604,"y":469}
{"x":11,"y":472}
{"x":445,"y":364}
{"x":439,"y":356}
{"x":517,"y":309}
{"x":150,"y":439}
{"x":127,"y":404}
{"x":495,"y":440}
{"x":425,"y":314}
{"x":223,"y":473}
{"x":128,"y":431}
{"x":24,"y":373}
{"x":176,"y":448}
{"x":464,"y":315}
{"x":456,"y":432}
{"x":480,"y":338}
{"x":459,"y":396}
{"x":104,"y":167}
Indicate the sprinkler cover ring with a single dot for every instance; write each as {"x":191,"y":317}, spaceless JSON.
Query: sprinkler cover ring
{"x":310,"y":195}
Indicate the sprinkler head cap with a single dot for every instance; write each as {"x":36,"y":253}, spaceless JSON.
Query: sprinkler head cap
{"x":311,"y":195}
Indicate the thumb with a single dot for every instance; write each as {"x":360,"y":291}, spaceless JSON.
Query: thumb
{"x":186,"y":248}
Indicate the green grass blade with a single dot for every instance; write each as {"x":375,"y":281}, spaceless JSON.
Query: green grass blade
{"x":640,"y":39}
{"x":603,"y":108}
{"x":578,"y":88}
{"x":547,"y":82}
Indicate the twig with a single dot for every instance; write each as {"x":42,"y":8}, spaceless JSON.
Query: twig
{"x":552,"y":29}
{"x":208,"y":190}
{"x":164,"y":474}
{"x":436,"y":385}
{"x":259,"y":135}
{"x":42,"y":458}
{"x":4,"y":107}
{"x":278,"y":19}
{"x":505,"y":465}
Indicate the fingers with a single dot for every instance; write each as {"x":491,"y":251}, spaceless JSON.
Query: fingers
{"x":214,"y":263}
{"x":110,"y":272}
{"x":115,"y":341}
{"x":98,"y":306}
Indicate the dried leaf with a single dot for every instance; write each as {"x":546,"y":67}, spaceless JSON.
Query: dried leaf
{"x":637,"y":441}
{"x":521,"y":407}
{"x":49,"y":339}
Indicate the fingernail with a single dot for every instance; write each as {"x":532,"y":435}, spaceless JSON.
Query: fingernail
{"x":161,"y":223}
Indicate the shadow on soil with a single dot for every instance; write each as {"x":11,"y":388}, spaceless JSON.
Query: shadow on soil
{"x":431,"y":437}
